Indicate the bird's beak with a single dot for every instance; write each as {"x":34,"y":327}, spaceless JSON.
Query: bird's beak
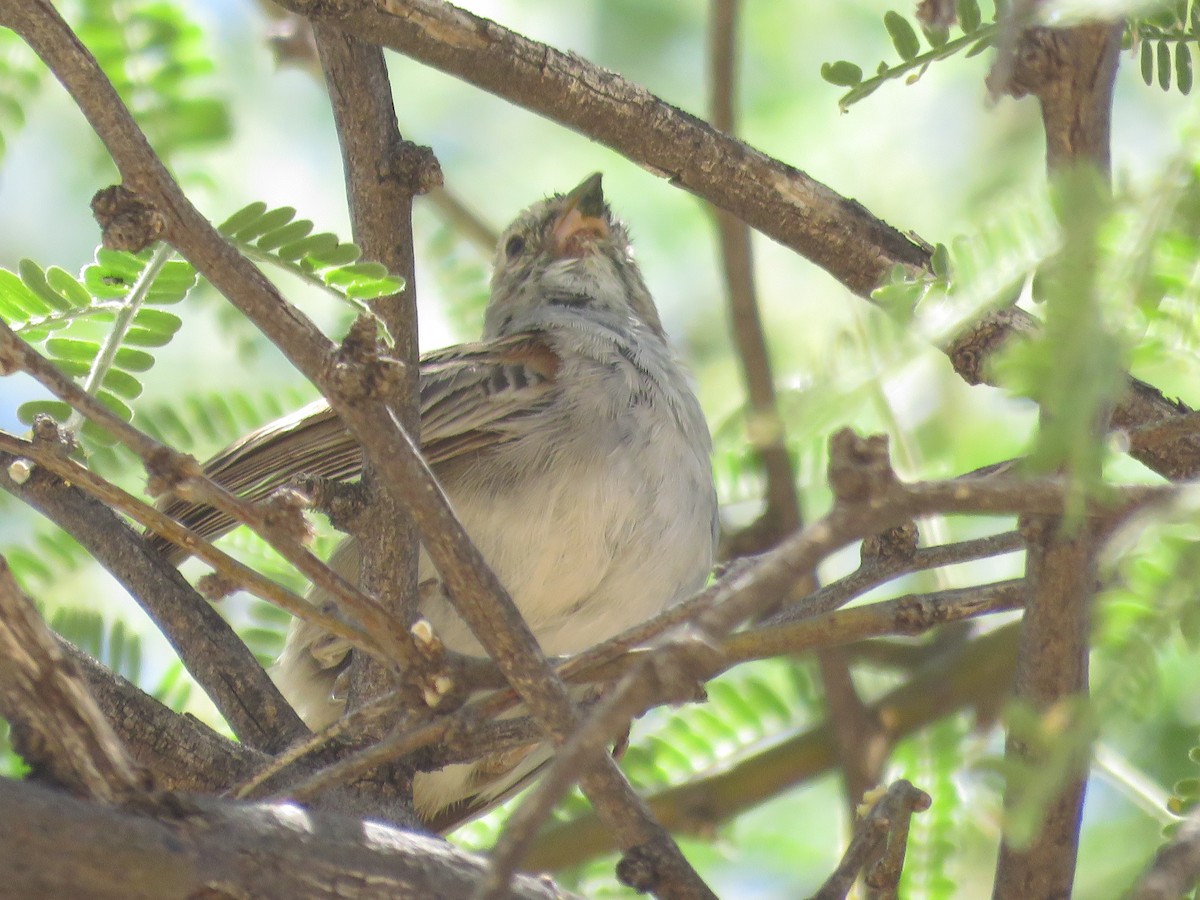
{"x":581,"y":220}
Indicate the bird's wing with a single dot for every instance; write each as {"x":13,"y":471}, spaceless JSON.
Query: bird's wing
{"x":471,"y":396}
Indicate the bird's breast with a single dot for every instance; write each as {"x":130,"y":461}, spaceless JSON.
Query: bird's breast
{"x":598,"y":518}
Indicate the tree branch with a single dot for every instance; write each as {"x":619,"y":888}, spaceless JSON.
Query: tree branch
{"x":219,"y":848}
{"x":879,"y":842}
{"x":1176,"y":867}
{"x":180,"y":752}
{"x":1071,"y":72}
{"x":56,"y":726}
{"x":383,"y":174}
{"x":782,"y":202}
{"x":764,"y":425}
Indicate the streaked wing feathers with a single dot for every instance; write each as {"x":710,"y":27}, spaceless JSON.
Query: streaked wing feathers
{"x":471,"y":396}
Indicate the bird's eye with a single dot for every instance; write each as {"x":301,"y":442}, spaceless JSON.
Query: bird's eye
{"x":515,"y":246}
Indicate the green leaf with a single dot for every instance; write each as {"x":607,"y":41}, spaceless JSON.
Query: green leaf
{"x":937,"y":37}
{"x":268,"y":221}
{"x":35,"y":279}
{"x":18,"y":301}
{"x":939,"y":261}
{"x":979,"y":46}
{"x":1188,"y":788}
{"x":122,"y":383}
{"x":341,"y":255}
{"x":56,"y":409}
{"x":134,"y":360}
{"x":249,"y":213}
{"x":1183,"y":68}
{"x":1164,"y":65}
{"x":969,"y":17}
{"x":158,"y":321}
{"x":72,"y":349}
{"x":65,"y":285}
{"x":288,"y":234}
{"x":904,"y":36}
{"x":842,"y":73}
{"x":315,"y":245}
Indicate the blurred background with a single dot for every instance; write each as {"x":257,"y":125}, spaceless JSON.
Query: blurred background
{"x":937,"y":158}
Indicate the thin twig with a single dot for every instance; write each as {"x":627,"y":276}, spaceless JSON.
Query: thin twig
{"x":874,"y":572}
{"x":764,"y":424}
{"x":908,"y":616}
{"x":975,"y":673}
{"x":879,"y":842}
{"x":383,"y":173}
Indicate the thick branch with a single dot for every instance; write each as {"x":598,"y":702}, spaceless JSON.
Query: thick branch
{"x":180,"y":752}
{"x":782,"y":202}
{"x":1071,"y":72}
{"x":1052,"y":664}
{"x":382,"y":175}
{"x":223,"y":849}
{"x":56,"y":726}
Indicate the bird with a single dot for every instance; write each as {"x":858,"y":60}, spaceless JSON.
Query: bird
{"x":572,"y":447}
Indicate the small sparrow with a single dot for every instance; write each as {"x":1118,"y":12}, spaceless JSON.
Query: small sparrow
{"x":572,"y":449}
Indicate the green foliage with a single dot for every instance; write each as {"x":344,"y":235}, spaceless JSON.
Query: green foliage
{"x":116,"y":646}
{"x":1151,"y":601}
{"x":277,"y":237}
{"x":203,"y":422}
{"x":111,"y":643}
{"x":974,"y":274}
{"x":1073,"y":366}
{"x":1167,"y":40}
{"x":462,"y":278}
{"x":931,"y":761}
{"x":96,"y":327}
{"x":974,"y":36}
{"x":159,"y":61}
{"x":46,"y":559}
{"x":100,"y":326}
{"x":747,"y":708}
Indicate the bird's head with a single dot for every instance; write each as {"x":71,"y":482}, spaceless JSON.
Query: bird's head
{"x":567,"y":251}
